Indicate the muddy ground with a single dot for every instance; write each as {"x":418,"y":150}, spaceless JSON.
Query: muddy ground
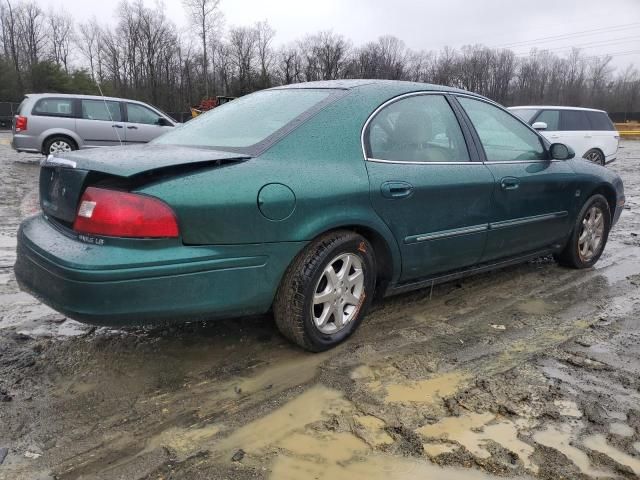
{"x":528,"y":372}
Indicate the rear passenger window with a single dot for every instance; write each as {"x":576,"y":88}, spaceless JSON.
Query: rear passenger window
{"x":600,"y":121}
{"x":551,"y":118}
{"x":574,"y":120}
{"x":55,"y":107}
{"x":421,"y":128}
{"x":101,"y":110}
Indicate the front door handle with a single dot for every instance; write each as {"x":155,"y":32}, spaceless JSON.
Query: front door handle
{"x":509,"y":183}
{"x":396,"y":189}
{"x":116,"y":126}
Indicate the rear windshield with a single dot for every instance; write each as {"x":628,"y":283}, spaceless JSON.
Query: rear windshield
{"x":21,"y":106}
{"x":251,"y":123}
{"x":525,"y":114}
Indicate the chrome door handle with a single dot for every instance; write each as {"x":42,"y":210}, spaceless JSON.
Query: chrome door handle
{"x":509,"y":183}
{"x":396,"y":190}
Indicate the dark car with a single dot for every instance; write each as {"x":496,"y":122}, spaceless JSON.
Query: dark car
{"x":308,"y":200}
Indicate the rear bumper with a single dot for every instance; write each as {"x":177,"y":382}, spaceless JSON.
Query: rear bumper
{"x":147,"y":282}
{"x":25,"y":143}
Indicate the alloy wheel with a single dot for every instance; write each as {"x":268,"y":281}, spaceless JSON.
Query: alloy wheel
{"x":595,"y":157}
{"x":591,"y":234}
{"x":59,"y":146}
{"x":338,"y":293}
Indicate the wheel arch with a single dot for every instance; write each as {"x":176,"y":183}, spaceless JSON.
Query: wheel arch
{"x":598,"y":149}
{"x":386,"y":251}
{"x":608,"y":192}
{"x":47,"y":135}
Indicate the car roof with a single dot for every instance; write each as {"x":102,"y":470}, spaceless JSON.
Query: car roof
{"x":362,"y":83}
{"x":79,"y":95}
{"x":554,"y":107}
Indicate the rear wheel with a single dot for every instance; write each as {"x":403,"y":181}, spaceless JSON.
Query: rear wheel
{"x":594,"y":155}
{"x":59,"y":144}
{"x":589,"y":236}
{"x":326,"y":291}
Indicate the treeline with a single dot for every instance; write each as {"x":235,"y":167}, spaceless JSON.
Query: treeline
{"x":144,"y":56}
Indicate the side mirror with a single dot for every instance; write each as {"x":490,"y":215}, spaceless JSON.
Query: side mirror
{"x":560,"y":151}
{"x":163,"y":122}
{"x":539,"y":126}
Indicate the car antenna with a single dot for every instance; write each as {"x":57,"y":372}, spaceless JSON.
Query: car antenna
{"x":108,"y":111}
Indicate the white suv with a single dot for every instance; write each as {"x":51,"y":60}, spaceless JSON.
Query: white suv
{"x":589,"y":132}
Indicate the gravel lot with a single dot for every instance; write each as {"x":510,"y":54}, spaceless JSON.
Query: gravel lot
{"x":528,"y":372}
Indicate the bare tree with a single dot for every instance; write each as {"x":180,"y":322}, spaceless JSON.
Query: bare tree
{"x":242,"y":47}
{"x":88,"y":43}
{"x":61,"y":36}
{"x":264,"y":38}
{"x":204,"y":15}
{"x":32,"y":31}
{"x":10,"y":42}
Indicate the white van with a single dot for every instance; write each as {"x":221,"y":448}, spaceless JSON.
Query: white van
{"x":589,"y":132}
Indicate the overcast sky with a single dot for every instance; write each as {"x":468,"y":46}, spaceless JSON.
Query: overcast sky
{"x":613,"y":26}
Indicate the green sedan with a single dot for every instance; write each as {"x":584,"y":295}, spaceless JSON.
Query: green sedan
{"x":308,"y":200}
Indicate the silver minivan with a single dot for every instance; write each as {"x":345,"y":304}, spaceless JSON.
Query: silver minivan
{"x":51,"y":122}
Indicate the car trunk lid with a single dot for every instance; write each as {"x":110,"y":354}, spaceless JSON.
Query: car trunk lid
{"x":64,"y":178}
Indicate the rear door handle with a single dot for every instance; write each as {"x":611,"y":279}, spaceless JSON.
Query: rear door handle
{"x":509,"y":183}
{"x":132,"y":127}
{"x":116,"y":126}
{"x":396,"y":189}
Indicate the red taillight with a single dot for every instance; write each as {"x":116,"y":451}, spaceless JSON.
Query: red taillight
{"x":21,"y":123}
{"x":120,"y":214}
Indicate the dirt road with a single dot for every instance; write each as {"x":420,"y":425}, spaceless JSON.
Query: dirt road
{"x":529,"y":372}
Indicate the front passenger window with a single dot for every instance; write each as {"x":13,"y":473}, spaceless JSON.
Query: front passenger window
{"x":420,"y":128}
{"x":503,"y":137}
{"x":140,"y":114}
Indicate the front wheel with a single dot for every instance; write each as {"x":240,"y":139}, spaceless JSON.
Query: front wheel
{"x":589,"y":235}
{"x":326,"y":291}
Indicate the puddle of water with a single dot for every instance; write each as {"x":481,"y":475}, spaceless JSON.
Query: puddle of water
{"x":474,"y":430}
{"x":181,"y":440}
{"x":324,"y":446}
{"x":373,"y":467}
{"x":568,"y":408}
{"x":535,"y":306}
{"x":427,"y":391}
{"x":560,"y":439}
{"x":620,"y":270}
{"x":434,"y":449}
{"x":281,"y":374}
{"x":372,"y":430}
{"x":621,"y":429}
{"x":599,"y":444}
{"x":315,"y":404}
{"x":363,"y":371}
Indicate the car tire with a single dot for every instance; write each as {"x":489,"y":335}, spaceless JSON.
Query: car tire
{"x":577,"y":253}
{"x":594,"y":155}
{"x":318,"y":310}
{"x":58,"y":144}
